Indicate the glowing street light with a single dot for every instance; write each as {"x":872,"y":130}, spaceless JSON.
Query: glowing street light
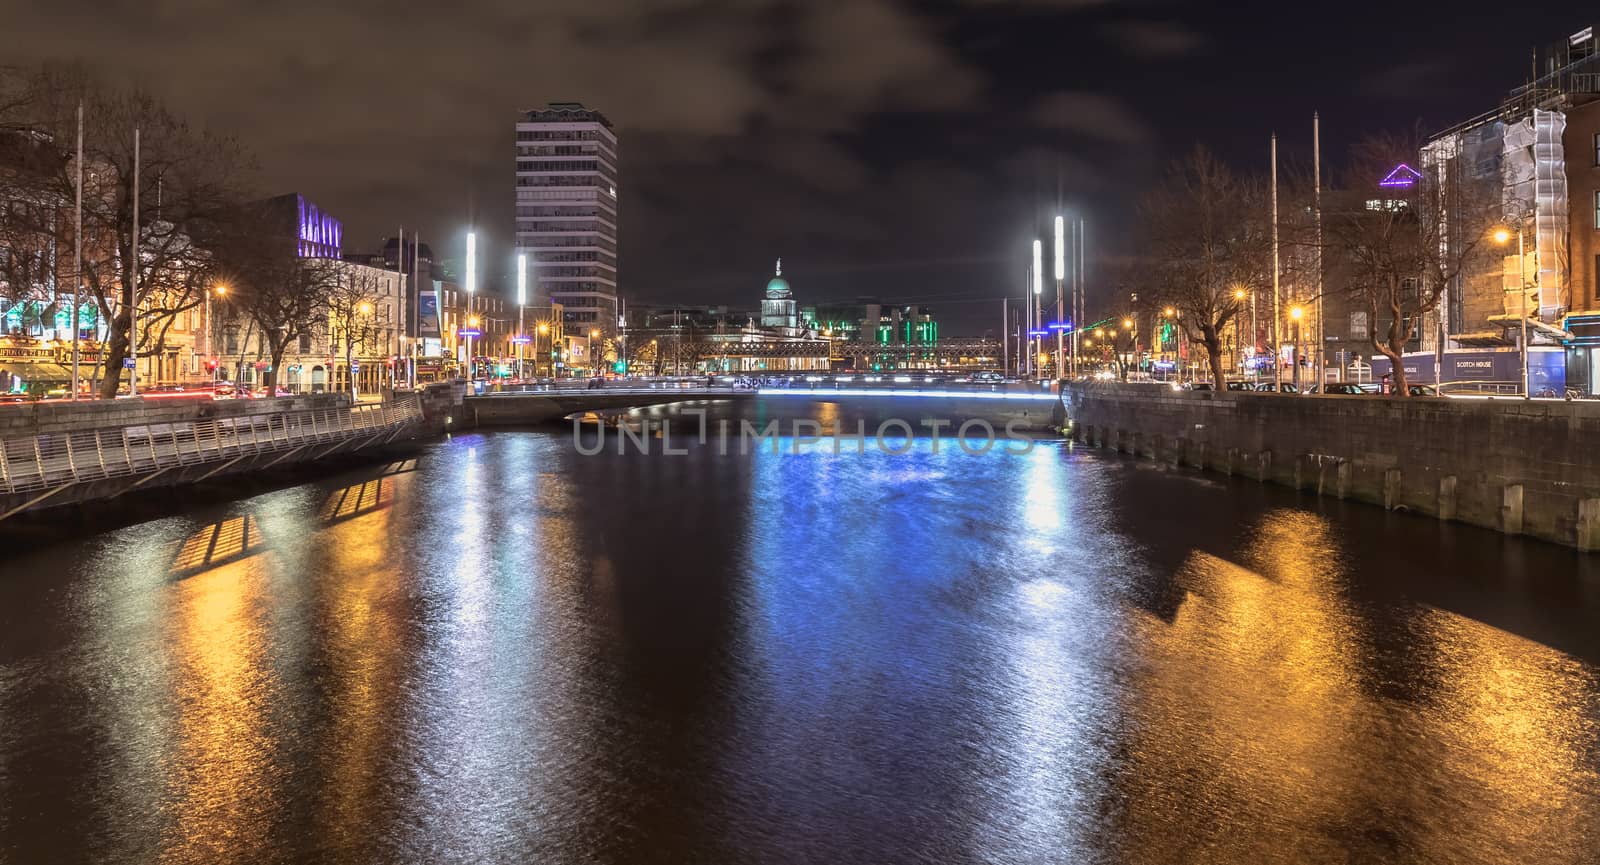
{"x":522,"y":303}
{"x":472,"y":288}
{"x":1061,"y":307}
{"x":1037,"y":274}
{"x":1127,"y":323}
{"x":1502,"y":236}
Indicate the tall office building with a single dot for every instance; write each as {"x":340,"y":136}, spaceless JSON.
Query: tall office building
{"x":567,"y":212}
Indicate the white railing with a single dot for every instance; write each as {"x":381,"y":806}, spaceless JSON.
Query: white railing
{"x":41,"y":462}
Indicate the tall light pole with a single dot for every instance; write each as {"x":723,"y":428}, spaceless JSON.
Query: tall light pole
{"x":133,"y":276}
{"x":1502,"y":236}
{"x":522,"y":305}
{"x":1316,"y":204}
{"x":1277,"y":366}
{"x":1038,"y":291}
{"x":1061,"y":314}
{"x":472,"y":288}
{"x":77,"y":253}
{"x":542,"y":329}
{"x":1296,"y":313}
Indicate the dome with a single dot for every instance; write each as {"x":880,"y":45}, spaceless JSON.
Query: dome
{"x":778,"y":288}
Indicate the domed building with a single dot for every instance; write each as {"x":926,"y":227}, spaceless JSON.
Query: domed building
{"x":777,"y":308}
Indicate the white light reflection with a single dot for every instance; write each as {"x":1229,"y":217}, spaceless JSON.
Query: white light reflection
{"x":1041,"y":498}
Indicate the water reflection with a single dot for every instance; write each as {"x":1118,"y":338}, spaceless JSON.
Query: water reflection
{"x":222,"y":792}
{"x":216,"y":545}
{"x":514,"y":653}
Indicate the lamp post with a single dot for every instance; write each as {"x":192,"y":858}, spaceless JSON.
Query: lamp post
{"x":1171,"y":314}
{"x":1061,"y":315}
{"x":1296,"y":313}
{"x":594,"y":366}
{"x":1238,"y":343}
{"x":1035,"y":345}
{"x":365,"y":310}
{"x":220,"y":291}
{"x":542,"y":329}
{"x":1502,"y":236}
{"x":522,"y":305}
{"x":472,"y":289}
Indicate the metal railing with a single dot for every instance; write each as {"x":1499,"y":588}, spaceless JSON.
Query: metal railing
{"x":50,"y":460}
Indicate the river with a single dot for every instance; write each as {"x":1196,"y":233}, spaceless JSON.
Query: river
{"x":507,"y":651}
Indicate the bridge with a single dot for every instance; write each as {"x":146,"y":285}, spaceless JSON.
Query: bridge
{"x":888,"y":395}
{"x":516,"y":405}
{"x":74,"y":452}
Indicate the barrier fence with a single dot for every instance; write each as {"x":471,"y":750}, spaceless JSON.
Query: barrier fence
{"x":53,"y":460}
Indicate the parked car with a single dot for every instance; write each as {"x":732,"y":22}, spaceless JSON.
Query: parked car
{"x":1274,"y":387}
{"x":1345,"y":388}
{"x":1198,"y":385}
{"x":1422,"y":390}
{"x":1241,"y":385}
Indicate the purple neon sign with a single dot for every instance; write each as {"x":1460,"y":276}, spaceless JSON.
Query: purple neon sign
{"x":1401,"y":176}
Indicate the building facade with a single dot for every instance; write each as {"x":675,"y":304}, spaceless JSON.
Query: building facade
{"x":1539,"y":152}
{"x":566,"y":212}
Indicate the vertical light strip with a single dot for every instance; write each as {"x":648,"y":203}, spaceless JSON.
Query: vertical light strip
{"x":1061,"y":249}
{"x":522,"y":279}
{"x":1038,"y":267}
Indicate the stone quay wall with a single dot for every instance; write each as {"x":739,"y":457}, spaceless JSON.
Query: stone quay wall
{"x":1515,"y":466}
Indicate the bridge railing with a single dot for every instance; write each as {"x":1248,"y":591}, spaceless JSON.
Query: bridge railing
{"x":40,"y":462}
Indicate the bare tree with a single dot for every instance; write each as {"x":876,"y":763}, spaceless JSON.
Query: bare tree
{"x":1398,"y":256}
{"x":1206,"y":235}
{"x":189,"y":181}
{"x":284,"y":296}
{"x":353,"y":304}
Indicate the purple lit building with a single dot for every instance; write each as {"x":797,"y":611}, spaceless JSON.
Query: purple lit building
{"x":317,"y":234}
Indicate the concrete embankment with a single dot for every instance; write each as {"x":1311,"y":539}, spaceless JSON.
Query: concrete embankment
{"x":1519,"y":467}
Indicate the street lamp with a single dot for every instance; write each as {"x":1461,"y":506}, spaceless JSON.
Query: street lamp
{"x":1038,"y":298}
{"x":472,"y":290}
{"x":1296,"y":313}
{"x":594,"y":366}
{"x":522,"y":304}
{"x":1061,"y":306}
{"x":1502,"y":235}
{"x":221,"y":291}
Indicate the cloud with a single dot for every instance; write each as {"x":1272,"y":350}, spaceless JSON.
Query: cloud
{"x":1089,"y":114}
{"x":1155,"y":39}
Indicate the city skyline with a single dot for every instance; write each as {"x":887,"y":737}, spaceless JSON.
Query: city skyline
{"x":898,"y":149}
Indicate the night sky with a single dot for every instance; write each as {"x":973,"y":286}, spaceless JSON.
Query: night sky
{"x":883,"y":147}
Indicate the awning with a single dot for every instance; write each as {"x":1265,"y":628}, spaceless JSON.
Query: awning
{"x":41,"y":373}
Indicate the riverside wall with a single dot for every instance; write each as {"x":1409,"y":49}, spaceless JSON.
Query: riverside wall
{"x":1518,"y":467}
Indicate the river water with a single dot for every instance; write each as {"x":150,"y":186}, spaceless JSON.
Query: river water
{"x":506,"y":651}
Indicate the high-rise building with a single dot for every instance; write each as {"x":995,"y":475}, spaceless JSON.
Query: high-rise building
{"x":566,"y":219}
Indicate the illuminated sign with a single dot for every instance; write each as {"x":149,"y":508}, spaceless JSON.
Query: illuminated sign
{"x":469,"y":331}
{"x":1401,"y":176}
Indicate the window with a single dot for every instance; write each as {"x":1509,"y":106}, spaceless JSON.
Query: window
{"x":1358,"y":325}
{"x":1597,"y":208}
{"x":1597,"y":148}
{"x":305,"y":343}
